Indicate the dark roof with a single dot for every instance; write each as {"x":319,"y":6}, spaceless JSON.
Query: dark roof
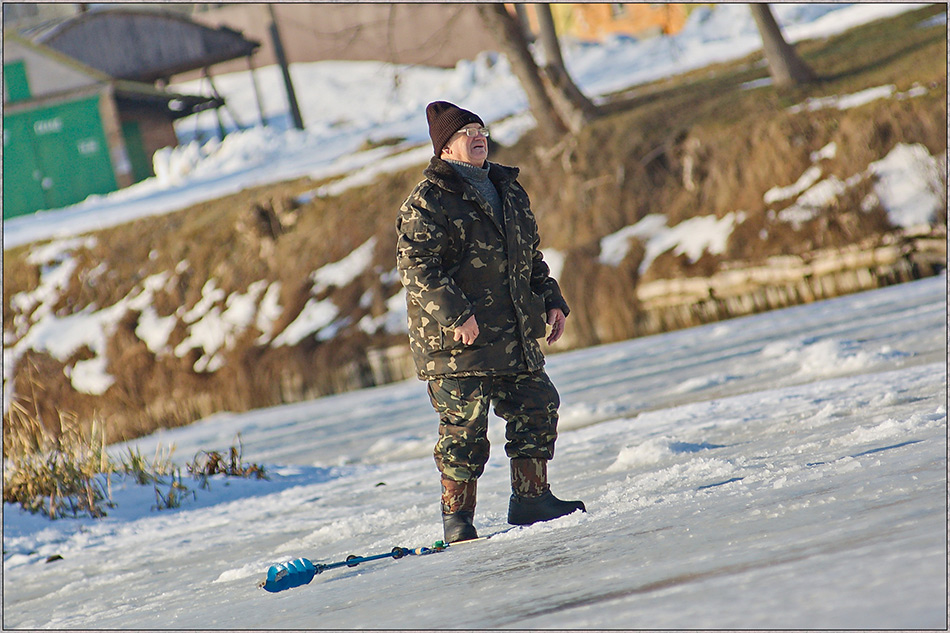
{"x":142,"y":45}
{"x":127,"y":92}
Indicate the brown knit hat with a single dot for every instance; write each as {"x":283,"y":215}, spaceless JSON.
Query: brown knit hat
{"x":445,"y":119}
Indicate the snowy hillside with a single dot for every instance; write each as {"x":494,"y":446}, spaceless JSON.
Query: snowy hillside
{"x":786,"y":470}
{"x":343,"y":104}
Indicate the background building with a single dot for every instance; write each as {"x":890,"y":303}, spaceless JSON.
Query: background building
{"x":597,"y":21}
{"x":82,"y":113}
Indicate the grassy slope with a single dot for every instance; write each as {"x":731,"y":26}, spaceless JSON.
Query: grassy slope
{"x":625,"y":166}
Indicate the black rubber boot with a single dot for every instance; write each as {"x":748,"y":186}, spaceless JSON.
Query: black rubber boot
{"x":457,"y":526}
{"x":458,"y":510}
{"x":531,"y":497}
{"x":528,"y":510}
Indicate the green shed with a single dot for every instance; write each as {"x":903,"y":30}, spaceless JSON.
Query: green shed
{"x":55,"y":156}
{"x":71,"y":131}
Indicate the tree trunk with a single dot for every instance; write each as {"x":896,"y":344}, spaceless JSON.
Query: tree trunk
{"x":521,"y":13}
{"x":510,"y":38}
{"x":552,"y":47}
{"x":785,"y":66}
{"x":574,"y":108}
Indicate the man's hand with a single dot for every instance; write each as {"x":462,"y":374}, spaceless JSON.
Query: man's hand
{"x":556,"y":320}
{"x":467,"y":332}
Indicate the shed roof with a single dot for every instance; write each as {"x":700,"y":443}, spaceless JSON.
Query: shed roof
{"x":142,"y":45}
{"x":59,"y":68}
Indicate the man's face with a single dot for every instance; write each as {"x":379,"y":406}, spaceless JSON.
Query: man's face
{"x":467,"y":149}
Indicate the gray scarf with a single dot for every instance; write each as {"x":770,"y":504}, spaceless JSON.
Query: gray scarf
{"x":478,"y":178}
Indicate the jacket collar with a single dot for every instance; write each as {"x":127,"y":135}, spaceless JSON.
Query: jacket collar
{"x":443,"y":175}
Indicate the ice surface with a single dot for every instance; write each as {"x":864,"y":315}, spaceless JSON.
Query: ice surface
{"x":784,"y":470}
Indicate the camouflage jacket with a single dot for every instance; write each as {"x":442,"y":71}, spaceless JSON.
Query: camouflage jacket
{"x":455,"y":259}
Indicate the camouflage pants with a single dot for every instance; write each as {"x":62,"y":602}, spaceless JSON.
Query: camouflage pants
{"x":527,"y":402}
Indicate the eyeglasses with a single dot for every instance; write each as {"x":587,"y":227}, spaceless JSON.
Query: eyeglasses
{"x":474,"y":131}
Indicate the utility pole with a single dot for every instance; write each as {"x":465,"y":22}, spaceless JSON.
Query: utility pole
{"x":257,"y":91}
{"x":284,"y":69}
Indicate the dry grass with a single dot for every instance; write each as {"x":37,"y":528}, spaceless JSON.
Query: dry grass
{"x":209,"y":463}
{"x":55,"y":475}
{"x":69,"y":474}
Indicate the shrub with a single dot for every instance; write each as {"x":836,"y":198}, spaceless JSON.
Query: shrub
{"x":208,"y":463}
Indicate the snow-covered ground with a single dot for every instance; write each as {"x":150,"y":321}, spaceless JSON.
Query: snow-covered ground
{"x":785,"y":470}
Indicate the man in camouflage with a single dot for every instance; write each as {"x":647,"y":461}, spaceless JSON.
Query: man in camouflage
{"x":479,"y":296}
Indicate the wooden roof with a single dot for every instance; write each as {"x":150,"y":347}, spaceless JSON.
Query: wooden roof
{"x":143,"y":45}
